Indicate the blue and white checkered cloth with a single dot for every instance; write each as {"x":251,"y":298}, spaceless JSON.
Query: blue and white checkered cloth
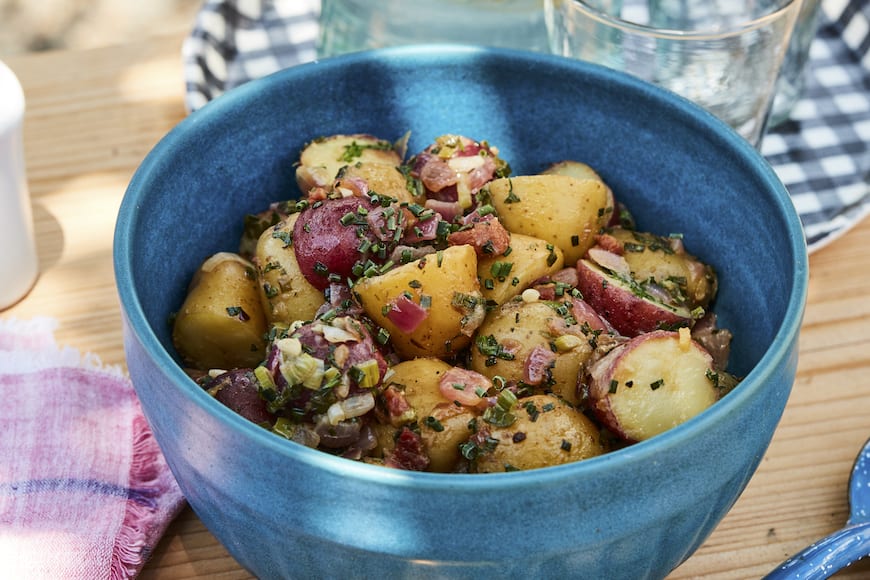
{"x":821,"y":153}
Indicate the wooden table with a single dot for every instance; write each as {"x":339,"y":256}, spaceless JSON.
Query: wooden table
{"x":93,"y":115}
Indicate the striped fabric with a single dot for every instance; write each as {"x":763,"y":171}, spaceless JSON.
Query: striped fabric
{"x":822,"y":153}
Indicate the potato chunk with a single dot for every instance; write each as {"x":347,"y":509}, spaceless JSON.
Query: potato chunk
{"x":546,"y":432}
{"x":511,"y":337}
{"x":559,"y":209}
{"x":443,"y":425}
{"x":221,"y":323}
{"x":665,"y":262}
{"x":505,"y":276}
{"x":322,"y":158}
{"x":380,"y":178}
{"x":625,"y":304}
{"x":431,"y":306}
{"x":286,"y":294}
{"x":652,"y":383}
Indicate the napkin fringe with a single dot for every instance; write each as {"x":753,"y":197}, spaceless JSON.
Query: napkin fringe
{"x":36,"y":336}
{"x":144,"y":517}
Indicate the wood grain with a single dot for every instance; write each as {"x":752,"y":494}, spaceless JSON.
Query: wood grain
{"x":93,"y":115}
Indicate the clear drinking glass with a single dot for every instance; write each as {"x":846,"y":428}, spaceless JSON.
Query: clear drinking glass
{"x":723,"y":54}
{"x":353,"y":25}
{"x":791,"y":79}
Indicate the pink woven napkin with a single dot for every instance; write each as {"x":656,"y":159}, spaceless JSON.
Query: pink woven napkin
{"x":84,"y":489}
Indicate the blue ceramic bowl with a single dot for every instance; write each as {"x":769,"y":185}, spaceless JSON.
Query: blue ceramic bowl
{"x":283,"y":510}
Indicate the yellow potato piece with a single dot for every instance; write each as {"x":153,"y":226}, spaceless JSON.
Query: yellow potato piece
{"x":442,"y":282}
{"x":321,"y":159}
{"x":443,"y":425}
{"x":519,"y":327}
{"x":381,"y":178}
{"x":529,"y":258}
{"x":546,"y":432}
{"x":560,"y":209}
{"x":286,"y":294}
{"x":221,"y":323}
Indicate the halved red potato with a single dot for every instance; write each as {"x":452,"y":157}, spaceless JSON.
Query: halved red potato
{"x":652,"y":383}
{"x":624,"y":303}
{"x":665,"y":260}
{"x":326,"y":242}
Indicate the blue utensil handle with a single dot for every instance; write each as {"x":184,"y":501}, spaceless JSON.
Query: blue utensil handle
{"x":827,"y":556}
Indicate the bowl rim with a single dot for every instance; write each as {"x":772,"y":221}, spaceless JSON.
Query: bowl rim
{"x":783,"y":343}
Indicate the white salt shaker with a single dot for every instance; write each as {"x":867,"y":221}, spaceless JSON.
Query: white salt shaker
{"x":19,"y":263}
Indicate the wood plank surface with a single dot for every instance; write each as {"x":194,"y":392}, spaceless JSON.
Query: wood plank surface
{"x":93,"y":115}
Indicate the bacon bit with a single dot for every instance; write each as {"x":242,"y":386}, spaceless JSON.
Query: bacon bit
{"x":403,"y":254}
{"x":538,"y":364}
{"x":435,"y":173}
{"x":465,"y":387}
{"x":715,"y":340}
{"x":487,"y":233}
{"x":567,"y":276}
{"x":610,"y":244}
{"x":482,"y":175}
{"x":352,"y":187}
{"x":697,"y":272}
{"x":409,"y":453}
{"x":406,"y":314}
{"x":546,"y":286}
{"x":317,"y":193}
{"x":546,"y":292}
{"x":613,"y":262}
{"x":399,"y":411}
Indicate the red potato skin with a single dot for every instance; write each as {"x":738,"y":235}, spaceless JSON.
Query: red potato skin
{"x":237,"y":389}
{"x":629,"y":314}
{"x":320,"y":237}
{"x":600,"y":374}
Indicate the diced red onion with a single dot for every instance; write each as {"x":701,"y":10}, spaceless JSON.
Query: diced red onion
{"x":406,"y":314}
{"x":613,"y":262}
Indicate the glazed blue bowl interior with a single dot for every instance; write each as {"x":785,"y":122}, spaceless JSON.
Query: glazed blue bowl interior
{"x":283,"y":510}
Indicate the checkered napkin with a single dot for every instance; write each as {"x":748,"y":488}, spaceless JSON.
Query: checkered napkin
{"x":822,"y":153}
{"x":84,"y":490}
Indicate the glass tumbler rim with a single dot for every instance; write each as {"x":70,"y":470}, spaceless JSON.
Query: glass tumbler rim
{"x":760,"y":21}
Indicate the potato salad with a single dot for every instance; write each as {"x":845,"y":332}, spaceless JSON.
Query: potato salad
{"x":433,"y":312}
